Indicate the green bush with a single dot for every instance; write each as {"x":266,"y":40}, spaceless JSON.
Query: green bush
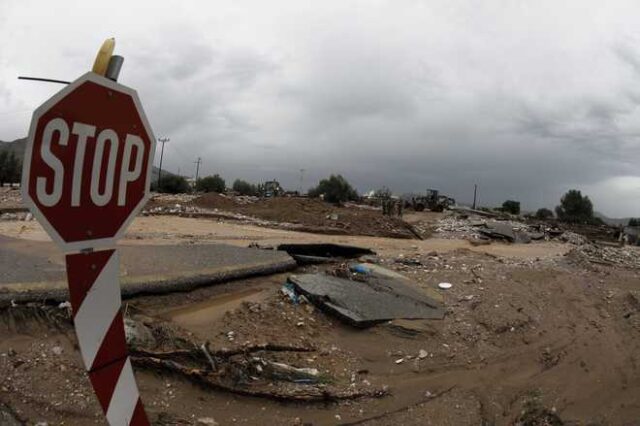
{"x":544,"y":214}
{"x":575,"y":208}
{"x":511,"y":206}
{"x":10,"y":168}
{"x":173,"y":184}
{"x":243,"y":187}
{"x":211,"y":184}
{"x":335,"y":189}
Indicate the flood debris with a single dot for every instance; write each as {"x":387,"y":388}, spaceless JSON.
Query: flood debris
{"x":281,"y":371}
{"x":368,"y":298}
{"x":626,"y":257}
{"x":504,"y":231}
{"x":306,"y":254}
{"x":481,"y":231}
{"x":138,"y":334}
{"x":242,"y":373}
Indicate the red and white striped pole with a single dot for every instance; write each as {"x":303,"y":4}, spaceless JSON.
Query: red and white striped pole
{"x":95,"y":298}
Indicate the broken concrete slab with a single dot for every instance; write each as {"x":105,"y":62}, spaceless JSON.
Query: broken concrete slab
{"x":35,"y":270}
{"x":376,"y":299}
{"x":381,"y":272}
{"x":505,"y":232}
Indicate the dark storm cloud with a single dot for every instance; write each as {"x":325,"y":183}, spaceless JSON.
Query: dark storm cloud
{"x":527,"y":100}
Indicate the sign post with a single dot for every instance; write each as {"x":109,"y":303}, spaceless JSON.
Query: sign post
{"x":86,"y":175}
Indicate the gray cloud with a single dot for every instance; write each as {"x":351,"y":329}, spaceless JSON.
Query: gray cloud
{"x":527,"y":101}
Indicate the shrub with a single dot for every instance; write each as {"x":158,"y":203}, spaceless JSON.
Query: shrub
{"x":511,"y":206}
{"x":243,"y":187}
{"x":575,"y":208}
{"x":173,"y":184}
{"x":335,"y":189}
{"x":544,"y":214}
{"x":211,"y":184}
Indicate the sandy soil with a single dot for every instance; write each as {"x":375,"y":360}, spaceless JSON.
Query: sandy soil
{"x":527,"y":334}
{"x":172,"y":229}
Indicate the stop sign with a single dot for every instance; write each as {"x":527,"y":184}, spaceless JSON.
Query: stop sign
{"x":87,"y":165}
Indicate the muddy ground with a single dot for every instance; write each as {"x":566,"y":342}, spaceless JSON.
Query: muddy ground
{"x":302,"y":214}
{"x":532,"y":335}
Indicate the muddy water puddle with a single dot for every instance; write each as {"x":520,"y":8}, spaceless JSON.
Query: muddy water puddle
{"x":202,"y":314}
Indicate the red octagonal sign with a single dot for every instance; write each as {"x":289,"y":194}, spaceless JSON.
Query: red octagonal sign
{"x":87,"y":166}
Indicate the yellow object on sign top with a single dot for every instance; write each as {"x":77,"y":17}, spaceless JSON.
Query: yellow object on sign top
{"x":103,"y":56}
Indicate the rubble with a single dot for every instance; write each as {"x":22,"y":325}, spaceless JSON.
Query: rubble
{"x":19,"y":215}
{"x":138,"y":334}
{"x":626,"y":257}
{"x":479,"y":231}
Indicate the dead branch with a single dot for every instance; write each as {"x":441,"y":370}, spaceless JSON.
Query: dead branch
{"x":288,"y":392}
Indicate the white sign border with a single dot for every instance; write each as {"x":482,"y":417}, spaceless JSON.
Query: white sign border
{"x":101,"y":243}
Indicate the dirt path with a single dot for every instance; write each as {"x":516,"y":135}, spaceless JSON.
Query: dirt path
{"x":172,"y":229}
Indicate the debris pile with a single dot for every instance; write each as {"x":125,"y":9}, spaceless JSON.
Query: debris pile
{"x":10,"y":198}
{"x":25,"y":216}
{"x":249,"y":369}
{"x":476,"y":228}
{"x":626,"y":257}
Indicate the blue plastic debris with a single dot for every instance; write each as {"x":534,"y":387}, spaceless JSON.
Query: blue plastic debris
{"x":360,"y":268}
{"x":289,"y":290}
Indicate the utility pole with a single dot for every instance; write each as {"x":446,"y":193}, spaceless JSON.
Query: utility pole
{"x":162,"y":141}
{"x":475,"y":192}
{"x":301,"y":179}
{"x":197,"y":163}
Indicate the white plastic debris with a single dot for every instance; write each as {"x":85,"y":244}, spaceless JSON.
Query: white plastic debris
{"x":65,"y":305}
{"x":445,"y":286}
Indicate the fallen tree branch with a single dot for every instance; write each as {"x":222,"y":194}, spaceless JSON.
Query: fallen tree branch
{"x":222,"y":353}
{"x":285,"y":392}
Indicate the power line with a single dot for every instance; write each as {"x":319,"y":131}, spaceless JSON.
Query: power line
{"x":197,"y":163}
{"x":162,"y":141}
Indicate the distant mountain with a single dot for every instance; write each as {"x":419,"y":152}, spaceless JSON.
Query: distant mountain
{"x":612,"y":221}
{"x":18,"y":146}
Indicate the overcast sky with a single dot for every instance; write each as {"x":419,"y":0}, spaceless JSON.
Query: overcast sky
{"x":525,"y":98}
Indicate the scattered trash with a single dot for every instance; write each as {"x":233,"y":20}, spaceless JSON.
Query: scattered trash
{"x":138,"y":334}
{"x":65,"y":305}
{"x":627,"y":257}
{"x":445,"y":286}
{"x":423,"y":354}
{"x":399,"y":361}
{"x":361,"y":268}
{"x":206,"y":421}
{"x":289,"y":290}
